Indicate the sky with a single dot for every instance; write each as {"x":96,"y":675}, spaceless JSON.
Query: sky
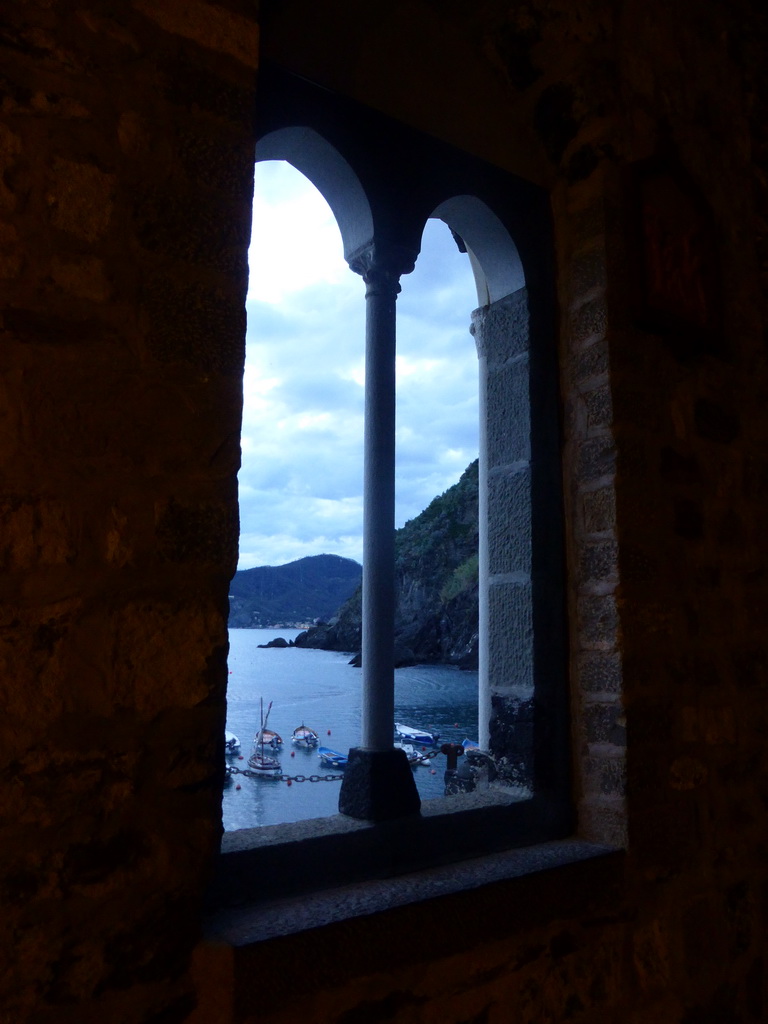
{"x":302,"y":440}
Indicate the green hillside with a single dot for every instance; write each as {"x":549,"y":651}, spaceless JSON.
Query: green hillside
{"x":291,"y":595}
{"x":436,"y":579}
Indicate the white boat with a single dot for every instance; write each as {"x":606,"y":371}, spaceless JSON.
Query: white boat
{"x":264,"y":764}
{"x":231,"y":742}
{"x":414,"y":756}
{"x":407,"y":734}
{"x":303,"y":736}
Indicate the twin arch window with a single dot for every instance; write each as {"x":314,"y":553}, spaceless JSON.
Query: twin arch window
{"x":383,"y":181}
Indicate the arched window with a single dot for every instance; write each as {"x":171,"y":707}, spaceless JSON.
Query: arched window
{"x":383,"y":182}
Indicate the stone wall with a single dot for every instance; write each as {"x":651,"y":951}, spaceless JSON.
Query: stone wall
{"x":126,"y":144}
{"x":127,"y":166}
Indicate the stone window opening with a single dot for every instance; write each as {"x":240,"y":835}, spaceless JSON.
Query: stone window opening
{"x":383,"y":182}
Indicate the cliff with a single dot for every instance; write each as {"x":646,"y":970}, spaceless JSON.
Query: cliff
{"x":436,"y":581}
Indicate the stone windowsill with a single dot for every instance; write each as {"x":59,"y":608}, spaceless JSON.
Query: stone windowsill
{"x":252,"y":901}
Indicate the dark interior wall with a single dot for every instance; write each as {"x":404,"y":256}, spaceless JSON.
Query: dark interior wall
{"x":126,"y":149}
{"x":127,"y":166}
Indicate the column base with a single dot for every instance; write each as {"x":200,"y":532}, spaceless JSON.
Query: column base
{"x":378,"y":785}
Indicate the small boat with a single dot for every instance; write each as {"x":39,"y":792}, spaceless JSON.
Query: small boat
{"x":264,"y":764}
{"x":332,"y":758}
{"x":303,"y":736}
{"x":470,"y":744}
{"x":231,"y":742}
{"x":414,"y":756}
{"x":269,"y":737}
{"x":407,"y":734}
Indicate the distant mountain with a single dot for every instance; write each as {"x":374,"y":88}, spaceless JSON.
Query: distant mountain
{"x":436,"y":572}
{"x":291,"y":595}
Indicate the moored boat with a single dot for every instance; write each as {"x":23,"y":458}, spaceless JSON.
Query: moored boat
{"x":414,"y":756}
{"x":407,"y":734}
{"x":260,"y":763}
{"x":332,"y":758}
{"x":269,"y":737}
{"x":231,"y":742}
{"x":264,"y":765}
{"x":303,"y":736}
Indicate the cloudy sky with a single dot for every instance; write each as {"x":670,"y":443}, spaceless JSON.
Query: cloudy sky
{"x":301,"y":477}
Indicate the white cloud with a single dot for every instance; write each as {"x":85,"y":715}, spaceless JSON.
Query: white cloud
{"x":280,"y":548}
{"x":301,"y":478}
{"x":296,"y":242}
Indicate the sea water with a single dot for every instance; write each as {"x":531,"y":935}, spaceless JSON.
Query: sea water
{"x":322,"y":690}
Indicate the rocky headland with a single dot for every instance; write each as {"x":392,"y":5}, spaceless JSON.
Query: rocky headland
{"x":436,"y":572}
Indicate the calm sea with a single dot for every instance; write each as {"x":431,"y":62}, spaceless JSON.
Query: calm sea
{"x":319,"y":689}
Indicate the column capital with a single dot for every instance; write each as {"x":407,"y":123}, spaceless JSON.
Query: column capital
{"x":500,"y":329}
{"x":383,"y":265}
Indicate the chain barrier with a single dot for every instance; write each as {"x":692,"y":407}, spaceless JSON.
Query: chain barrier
{"x":424,"y":755}
{"x":234,"y":770}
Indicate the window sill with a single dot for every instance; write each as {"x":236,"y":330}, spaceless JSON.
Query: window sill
{"x":247,"y":925}
{"x":286,"y":879}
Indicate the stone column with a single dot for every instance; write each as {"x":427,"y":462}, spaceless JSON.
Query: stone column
{"x":382,"y":288}
{"x":378,"y":783}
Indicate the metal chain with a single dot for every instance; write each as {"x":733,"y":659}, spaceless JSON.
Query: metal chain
{"x":234,"y":770}
{"x":424,"y":755}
